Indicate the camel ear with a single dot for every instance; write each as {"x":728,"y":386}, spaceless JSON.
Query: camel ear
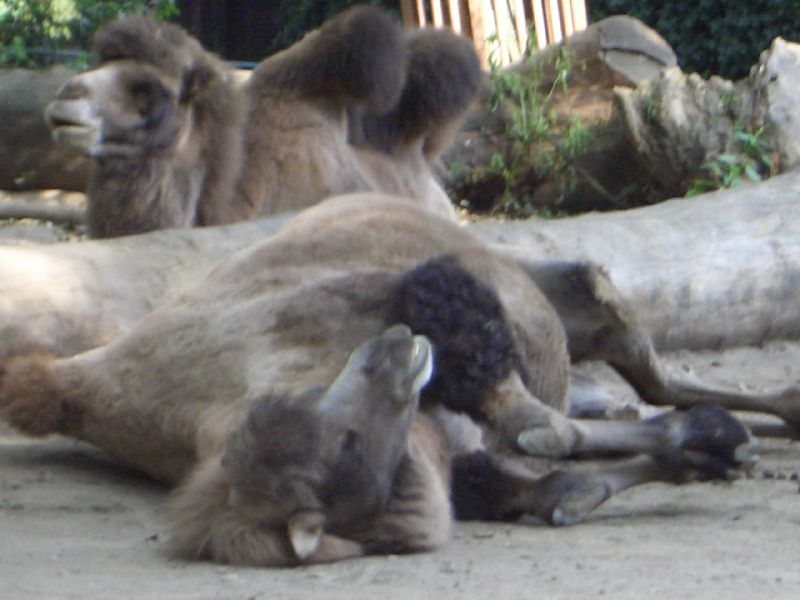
{"x":305,"y":532}
{"x":195,"y":81}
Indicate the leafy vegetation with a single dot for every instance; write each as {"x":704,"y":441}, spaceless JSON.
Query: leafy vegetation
{"x":36,"y":33}
{"x":541,"y":147}
{"x":749,"y":162}
{"x":712,"y":37}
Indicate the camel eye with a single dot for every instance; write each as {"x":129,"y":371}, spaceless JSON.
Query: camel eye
{"x":146,"y":95}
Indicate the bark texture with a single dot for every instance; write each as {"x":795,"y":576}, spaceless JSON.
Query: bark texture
{"x":718,"y":270}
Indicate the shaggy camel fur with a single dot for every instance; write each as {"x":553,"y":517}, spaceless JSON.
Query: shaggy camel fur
{"x":285,"y":451}
{"x":162,"y":119}
{"x":358,"y":105}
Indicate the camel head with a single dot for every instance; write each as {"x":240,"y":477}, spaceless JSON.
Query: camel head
{"x":327,"y":463}
{"x":140,"y":99}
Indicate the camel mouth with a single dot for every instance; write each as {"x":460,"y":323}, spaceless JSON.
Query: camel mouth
{"x":70,"y":126}
{"x":67,"y":114}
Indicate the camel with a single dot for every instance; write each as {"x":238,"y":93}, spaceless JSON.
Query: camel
{"x":358,"y":105}
{"x":349,"y":385}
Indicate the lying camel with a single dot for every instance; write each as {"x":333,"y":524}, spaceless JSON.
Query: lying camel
{"x":301,"y":397}
{"x":69,"y":298}
{"x":358,"y":105}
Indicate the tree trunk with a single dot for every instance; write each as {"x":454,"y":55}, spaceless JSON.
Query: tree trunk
{"x":69,"y":297}
{"x":717,"y":270}
{"x":713,"y":271}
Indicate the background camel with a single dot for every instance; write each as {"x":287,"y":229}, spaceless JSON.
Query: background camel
{"x":358,"y":105}
{"x":162,"y":119}
{"x":204,"y":390}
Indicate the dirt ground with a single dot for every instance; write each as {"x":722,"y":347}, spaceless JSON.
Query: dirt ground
{"x":74,"y":524}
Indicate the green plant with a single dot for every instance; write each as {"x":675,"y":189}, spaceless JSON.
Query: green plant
{"x":542,"y":147}
{"x":36,"y":33}
{"x":749,"y":161}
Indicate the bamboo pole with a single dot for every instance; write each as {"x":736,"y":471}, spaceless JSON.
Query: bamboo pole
{"x":422,"y":19}
{"x":454,"y":7}
{"x":539,"y":25}
{"x":437,"y":13}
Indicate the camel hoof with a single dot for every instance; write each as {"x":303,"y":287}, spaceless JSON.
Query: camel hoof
{"x":574,"y":507}
{"x":709,"y":441}
{"x":573,"y":497}
{"x":788,"y":407}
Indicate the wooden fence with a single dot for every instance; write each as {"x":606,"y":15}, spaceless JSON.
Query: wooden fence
{"x":500,"y":27}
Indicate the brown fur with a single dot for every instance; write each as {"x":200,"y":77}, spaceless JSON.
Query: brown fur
{"x":245,"y":392}
{"x":294,"y":307}
{"x":356,"y":106}
{"x":314,"y":132}
{"x":32,"y":398}
{"x":165,"y":133}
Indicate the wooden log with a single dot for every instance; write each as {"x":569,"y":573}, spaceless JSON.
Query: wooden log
{"x":66,"y":298}
{"x":714,"y":271}
{"x":56,"y":214}
{"x":718,"y":270}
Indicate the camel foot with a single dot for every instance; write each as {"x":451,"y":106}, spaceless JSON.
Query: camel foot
{"x":707,"y":442}
{"x":574,"y":497}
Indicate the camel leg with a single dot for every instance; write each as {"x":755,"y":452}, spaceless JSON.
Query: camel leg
{"x":589,"y":399}
{"x":637,"y":361}
{"x":487,"y":488}
{"x":600,"y":326}
{"x":529,"y":425}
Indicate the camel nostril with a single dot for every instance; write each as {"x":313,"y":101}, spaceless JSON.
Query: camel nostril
{"x":73,"y":90}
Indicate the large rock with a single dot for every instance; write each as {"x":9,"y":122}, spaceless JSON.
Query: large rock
{"x":775,"y":81}
{"x":681,"y":124}
{"x":618,"y":51}
{"x":659,"y":132}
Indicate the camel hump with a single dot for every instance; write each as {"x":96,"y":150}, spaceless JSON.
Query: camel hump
{"x":366,"y":54}
{"x":442,"y":81}
{"x":359,"y":57}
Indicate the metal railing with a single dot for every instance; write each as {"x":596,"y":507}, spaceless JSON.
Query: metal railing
{"x":501,"y":27}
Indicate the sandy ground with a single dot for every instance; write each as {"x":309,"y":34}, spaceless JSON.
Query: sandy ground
{"x":74,"y":524}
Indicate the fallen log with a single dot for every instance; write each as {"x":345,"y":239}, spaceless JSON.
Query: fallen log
{"x":714,"y":271}
{"x":69,"y":297}
{"x":70,"y":215}
{"x":718,"y":270}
